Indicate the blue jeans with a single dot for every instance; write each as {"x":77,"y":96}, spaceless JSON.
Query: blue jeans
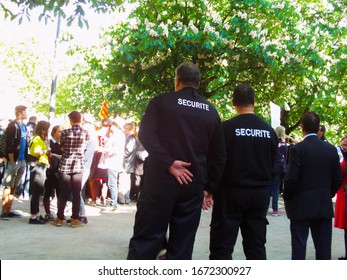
{"x":113,"y":184}
{"x":24,"y":189}
{"x":273,"y":191}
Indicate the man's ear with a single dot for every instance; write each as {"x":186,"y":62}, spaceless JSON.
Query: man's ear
{"x":177,"y":81}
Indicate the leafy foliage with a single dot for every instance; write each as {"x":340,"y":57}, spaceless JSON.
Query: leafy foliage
{"x":51,"y":8}
{"x":26,"y":72}
{"x":293,"y":53}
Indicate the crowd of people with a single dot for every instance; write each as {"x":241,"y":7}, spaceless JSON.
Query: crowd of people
{"x":40,"y":163}
{"x":183,"y":160}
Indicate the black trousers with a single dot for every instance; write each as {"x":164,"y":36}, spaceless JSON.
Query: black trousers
{"x":321,"y":231}
{"x":234,"y":209}
{"x":69,"y":183}
{"x":51,"y":184}
{"x":165,"y":205}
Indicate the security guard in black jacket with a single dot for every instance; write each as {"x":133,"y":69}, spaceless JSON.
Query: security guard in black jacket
{"x":182,"y":134}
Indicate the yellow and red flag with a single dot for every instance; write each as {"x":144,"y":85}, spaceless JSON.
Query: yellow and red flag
{"x":104,"y":110}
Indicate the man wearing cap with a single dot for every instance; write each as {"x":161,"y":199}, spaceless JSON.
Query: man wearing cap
{"x":16,"y":148}
{"x":181,"y":131}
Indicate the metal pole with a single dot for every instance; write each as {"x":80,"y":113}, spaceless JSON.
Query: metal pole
{"x":55,"y":72}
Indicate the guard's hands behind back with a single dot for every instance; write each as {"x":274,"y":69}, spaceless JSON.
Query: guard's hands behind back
{"x":180,"y":172}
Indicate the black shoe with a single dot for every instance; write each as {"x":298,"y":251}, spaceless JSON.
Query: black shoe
{"x":49,"y":217}
{"x":83,"y":220}
{"x":13,"y":215}
{"x":342,"y":258}
{"x":42,"y":218}
{"x":37,"y":221}
{"x":5,"y":217}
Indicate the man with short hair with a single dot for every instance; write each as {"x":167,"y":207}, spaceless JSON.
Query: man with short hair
{"x":240,"y":201}
{"x":74,"y":143}
{"x":312,"y":180}
{"x":181,"y":131}
{"x":16,"y":152}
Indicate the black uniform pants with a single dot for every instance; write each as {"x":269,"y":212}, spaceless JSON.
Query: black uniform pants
{"x":162,"y":203}
{"x":234,"y":209}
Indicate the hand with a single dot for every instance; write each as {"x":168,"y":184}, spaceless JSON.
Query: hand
{"x":180,"y":172}
{"x":208,"y":201}
{"x":49,"y":153}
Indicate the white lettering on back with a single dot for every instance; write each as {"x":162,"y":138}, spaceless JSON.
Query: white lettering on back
{"x":193,"y":104}
{"x":252,"y":132}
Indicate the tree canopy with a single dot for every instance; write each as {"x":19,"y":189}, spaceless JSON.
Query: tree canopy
{"x":70,"y":10}
{"x":292,"y":53}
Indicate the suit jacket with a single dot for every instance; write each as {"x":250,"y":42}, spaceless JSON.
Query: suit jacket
{"x":312,"y":179}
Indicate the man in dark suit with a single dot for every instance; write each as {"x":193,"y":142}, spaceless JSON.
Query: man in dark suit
{"x":312,"y":179}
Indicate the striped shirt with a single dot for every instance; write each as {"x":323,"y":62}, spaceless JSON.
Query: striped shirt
{"x":74,"y":142}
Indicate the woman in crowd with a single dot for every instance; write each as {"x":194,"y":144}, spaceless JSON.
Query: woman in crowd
{"x":40,"y":152}
{"x":340,"y":220}
{"x":52,"y":181}
{"x":278,"y":170}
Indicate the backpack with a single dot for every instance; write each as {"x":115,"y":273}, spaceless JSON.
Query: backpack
{"x":3,"y":136}
{"x":3,"y":152}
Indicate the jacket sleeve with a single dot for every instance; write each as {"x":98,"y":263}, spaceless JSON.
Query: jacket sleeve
{"x":291,"y":179}
{"x":337,"y":177}
{"x":141,"y":153}
{"x":216,"y":160}
{"x":130,"y":146}
{"x":148,"y":134}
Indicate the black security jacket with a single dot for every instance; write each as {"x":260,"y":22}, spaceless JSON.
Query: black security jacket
{"x":184,"y":126}
{"x":251,"y":146}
